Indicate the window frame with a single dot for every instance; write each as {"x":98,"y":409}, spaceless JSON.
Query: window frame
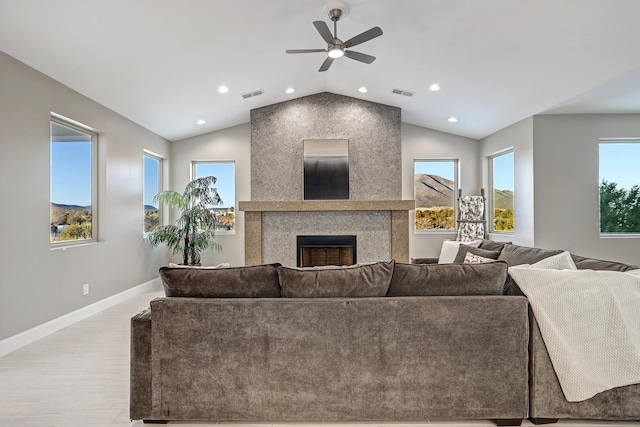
{"x":608,"y":235}
{"x":93,"y":134}
{"x":456,"y":190}
{"x":160,"y":178}
{"x":194,"y":163}
{"x":491,"y":198}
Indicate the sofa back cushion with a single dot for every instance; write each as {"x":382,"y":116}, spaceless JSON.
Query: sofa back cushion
{"x":235,"y":282}
{"x":361,"y":280}
{"x":518,"y":255}
{"x":448,"y":279}
{"x":583,"y":263}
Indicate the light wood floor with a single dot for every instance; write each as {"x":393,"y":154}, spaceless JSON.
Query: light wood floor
{"x":79,"y":376}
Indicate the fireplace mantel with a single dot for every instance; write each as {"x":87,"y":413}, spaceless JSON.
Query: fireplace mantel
{"x":326,"y":205}
{"x":398,"y":209}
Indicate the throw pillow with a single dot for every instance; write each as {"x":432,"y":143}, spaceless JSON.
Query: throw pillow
{"x":360,"y":280}
{"x":234,"y":282}
{"x":492,"y":245}
{"x":449,"y":250}
{"x":463,"y":250}
{"x":223,"y":265}
{"x":470,"y":258}
{"x":562,"y":261}
{"x":448,"y":279}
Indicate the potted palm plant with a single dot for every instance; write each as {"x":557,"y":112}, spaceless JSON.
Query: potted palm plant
{"x":194,"y":229}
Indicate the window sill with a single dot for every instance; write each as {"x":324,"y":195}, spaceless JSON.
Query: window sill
{"x":620,"y":235}
{"x":63,"y":247}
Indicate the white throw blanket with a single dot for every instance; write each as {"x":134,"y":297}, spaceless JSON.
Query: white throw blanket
{"x":590,"y":323}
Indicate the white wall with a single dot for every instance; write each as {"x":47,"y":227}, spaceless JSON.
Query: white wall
{"x":567,"y":183}
{"x":228,"y":144}
{"x":423,"y":143}
{"x":518,"y":136}
{"x":38,"y":284}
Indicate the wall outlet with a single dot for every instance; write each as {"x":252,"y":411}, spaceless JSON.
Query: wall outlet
{"x":85,"y":289}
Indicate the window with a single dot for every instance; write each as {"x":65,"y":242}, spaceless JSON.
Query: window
{"x":436,"y":186}
{"x":619,"y":186}
{"x":73,"y":182}
{"x":152,"y":169}
{"x":501,"y":167}
{"x":224,"y":171}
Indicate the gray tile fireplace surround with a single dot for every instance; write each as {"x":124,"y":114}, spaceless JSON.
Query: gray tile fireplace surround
{"x":271,"y":227}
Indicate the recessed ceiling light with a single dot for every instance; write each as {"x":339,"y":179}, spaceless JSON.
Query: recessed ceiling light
{"x":452,"y":119}
{"x":363,"y":90}
{"x":201,"y":122}
{"x":223,"y":89}
{"x":290,"y":90}
{"x":434,"y":87}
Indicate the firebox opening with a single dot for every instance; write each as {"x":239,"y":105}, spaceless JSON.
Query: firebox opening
{"x":316,"y":251}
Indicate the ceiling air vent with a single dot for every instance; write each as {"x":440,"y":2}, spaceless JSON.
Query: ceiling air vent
{"x":252,"y":94}
{"x":402,"y":92}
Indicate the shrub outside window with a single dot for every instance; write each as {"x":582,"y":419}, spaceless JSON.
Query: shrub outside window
{"x":224,"y":171}
{"x":435,"y":190}
{"x":73,"y":205}
{"x":619,"y":186}
{"x":152,"y":170}
{"x":502,"y":172}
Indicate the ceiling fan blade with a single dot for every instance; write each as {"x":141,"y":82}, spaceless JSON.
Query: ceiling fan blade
{"x":324,"y":31}
{"x":362,"y":57}
{"x":363,"y":37}
{"x":305,"y":50}
{"x":326,"y":64}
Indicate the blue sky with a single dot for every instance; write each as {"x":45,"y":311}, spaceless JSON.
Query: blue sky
{"x":225,"y":185}
{"x":71,"y":173}
{"x":620,"y":163}
{"x":151,"y":178}
{"x":503,"y":172}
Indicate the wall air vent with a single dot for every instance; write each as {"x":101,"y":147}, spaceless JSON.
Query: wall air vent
{"x":402,"y":92}
{"x":252,"y":94}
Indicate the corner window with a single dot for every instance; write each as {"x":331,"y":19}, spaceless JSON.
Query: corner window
{"x":501,"y":177}
{"x":224,"y":171}
{"x":152,"y":170}
{"x":435,"y":189}
{"x":73,"y":183}
{"x":619,"y":186}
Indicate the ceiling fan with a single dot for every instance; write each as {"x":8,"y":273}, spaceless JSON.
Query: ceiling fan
{"x":336,"y":47}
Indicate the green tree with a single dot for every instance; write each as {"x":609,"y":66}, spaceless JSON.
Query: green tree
{"x":195,"y":228}
{"x":619,"y":208}
{"x":76,"y":232}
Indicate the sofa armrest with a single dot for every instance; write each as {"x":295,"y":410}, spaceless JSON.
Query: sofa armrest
{"x":140,"y":394}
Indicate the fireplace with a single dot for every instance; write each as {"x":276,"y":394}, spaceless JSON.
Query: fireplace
{"x":316,"y":251}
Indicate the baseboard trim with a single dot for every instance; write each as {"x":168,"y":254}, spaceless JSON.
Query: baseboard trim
{"x":38,"y":332}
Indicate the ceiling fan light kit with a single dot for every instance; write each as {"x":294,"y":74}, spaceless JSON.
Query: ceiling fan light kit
{"x":336,"y":47}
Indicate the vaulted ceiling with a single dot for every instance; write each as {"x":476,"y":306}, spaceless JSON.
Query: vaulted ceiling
{"x":160,"y":62}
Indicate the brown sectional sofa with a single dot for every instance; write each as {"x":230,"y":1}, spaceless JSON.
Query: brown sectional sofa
{"x":547,"y":402}
{"x":378,"y":342}
{"x":328,"y":352}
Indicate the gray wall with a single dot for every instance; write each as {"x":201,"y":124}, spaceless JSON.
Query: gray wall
{"x":226,"y":144}
{"x":566,"y":172}
{"x":518,"y":137}
{"x":39,"y":284}
{"x":373,"y":131}
{"x":423,"y":143}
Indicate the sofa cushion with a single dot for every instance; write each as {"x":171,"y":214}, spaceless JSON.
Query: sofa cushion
{"x":518,"y":255}
{"x":235,"y":282}
{"x":583,"y":263}
{"x":463,"y":250}
{"x":448,"y":279}
{"x":492,"y":245}
{"x":561,"y":261}
{"x":360,"y":280}
{"x":450,"y":248}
